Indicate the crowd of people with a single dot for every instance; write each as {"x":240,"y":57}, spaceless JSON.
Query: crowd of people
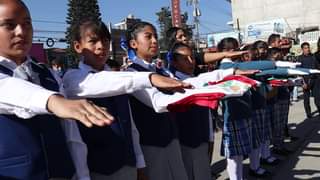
{"x":96,"y":123}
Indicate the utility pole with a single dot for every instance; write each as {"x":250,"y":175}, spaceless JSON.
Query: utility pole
{"x":196,"y":14}
{"x":239,"y":34}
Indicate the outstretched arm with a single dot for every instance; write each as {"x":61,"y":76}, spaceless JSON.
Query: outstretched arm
{"x":25,"y":100}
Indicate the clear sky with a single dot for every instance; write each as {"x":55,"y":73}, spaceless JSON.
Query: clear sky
{"x":215,"y":14}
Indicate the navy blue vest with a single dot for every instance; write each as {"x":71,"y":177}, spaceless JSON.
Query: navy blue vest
{"x":34,"y":148}
{"x":193,"y":126}
{"x":235,"y":108}
{"x":156,"y":129}
{"x":110,"y":147}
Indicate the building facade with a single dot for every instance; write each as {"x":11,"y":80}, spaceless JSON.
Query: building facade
{"x":296,"y":17}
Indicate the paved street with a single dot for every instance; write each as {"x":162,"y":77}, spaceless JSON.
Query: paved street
{"x":304,"y":163}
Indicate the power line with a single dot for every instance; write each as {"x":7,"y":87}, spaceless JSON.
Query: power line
{"x":49,"y":22}
{"x":48,"y":31}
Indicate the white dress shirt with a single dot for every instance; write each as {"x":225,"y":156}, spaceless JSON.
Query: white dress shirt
{"x":88,"y":82}
{"x":159,"y":101}
{"x":20,"y":97}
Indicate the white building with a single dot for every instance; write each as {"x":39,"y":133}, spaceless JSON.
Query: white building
{"x":291,"y":15}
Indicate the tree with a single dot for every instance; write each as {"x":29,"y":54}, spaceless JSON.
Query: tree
{"x":77,"y":11}
{"x":165,"y":23}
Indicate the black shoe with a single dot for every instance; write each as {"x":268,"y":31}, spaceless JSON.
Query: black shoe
{"x":282,"y":151}
{"x":256,"y":173}
{"x":309,"y":116}
{"x":293,"y":138}
{"x":271,"y":161}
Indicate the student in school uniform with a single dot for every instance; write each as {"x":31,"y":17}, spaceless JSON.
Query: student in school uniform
{"x":258,"y":118}
{"x":113,"y":152}
{"x":158,"y":133}
{"x":178,"y":34}
{"x":281,"y":110}
{"x":237,"y":114}
{"x":264,"y":114}
{"x":193,"y":125}
{"x":34,"y":148}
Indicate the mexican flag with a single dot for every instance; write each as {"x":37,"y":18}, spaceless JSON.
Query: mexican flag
{"x":209,"y":94}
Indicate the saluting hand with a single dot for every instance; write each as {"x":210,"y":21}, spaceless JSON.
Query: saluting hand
{"x":234,"y":54}
{"x":81,"y":110}
{"x":168,"y":84}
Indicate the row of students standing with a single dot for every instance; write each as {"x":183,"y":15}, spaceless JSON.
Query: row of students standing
{"x":269,"y":114}
{"x":111,"y":152}
{"x":159,"y":137}
{"x":119,"y":144}
{"x":36,"y":148}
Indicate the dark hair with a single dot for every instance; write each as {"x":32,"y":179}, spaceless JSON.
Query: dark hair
{"x":171,"y":36}
{"x":228,"y":44}
{"x":136,"y":28}
{"x":305,"y":44}
{"x":174,"y":48}
{"x":113,"y":63}
{"x":97,"y":26}
{"x":272,"y":38}
{"x":260,"y":44}
{"x":272,"y":52}
{"x":251,"y":50}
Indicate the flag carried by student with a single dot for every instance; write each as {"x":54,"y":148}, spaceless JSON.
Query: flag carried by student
{"x":208,"y":95}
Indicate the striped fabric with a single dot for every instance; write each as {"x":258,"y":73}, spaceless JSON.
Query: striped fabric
{"x":261,"y":126}
{"x":280,"y":116}
{"x":267,"y":123}
{"x":257,"y":127}
{"x":237,"y":137}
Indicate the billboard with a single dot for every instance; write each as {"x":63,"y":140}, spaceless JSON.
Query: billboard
{"x":261,"y":30}
{"x":214,"y":39}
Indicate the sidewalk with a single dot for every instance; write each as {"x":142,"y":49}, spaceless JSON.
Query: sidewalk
{"x":304,"y":163}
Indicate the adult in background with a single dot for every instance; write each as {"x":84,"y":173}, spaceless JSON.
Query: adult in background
{"x":308,"y":60}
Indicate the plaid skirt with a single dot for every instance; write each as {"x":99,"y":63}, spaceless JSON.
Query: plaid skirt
{"x":237,"y":137}
{"x":279,"y":121}
{"x":257,"y":127}
{"x":267,"y":123}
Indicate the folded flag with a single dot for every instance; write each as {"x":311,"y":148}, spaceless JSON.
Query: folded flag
{"x":288,"y":72}
{"x":210,"y":93}
{"x":280,"y":82}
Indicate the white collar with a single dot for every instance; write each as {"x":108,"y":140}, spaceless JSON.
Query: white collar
{"x":10,"y":64}
{"x":182,"y":76}
{"x":85,"y":67}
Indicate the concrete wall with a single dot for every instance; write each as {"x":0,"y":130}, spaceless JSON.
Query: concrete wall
{"x":297,"y":13}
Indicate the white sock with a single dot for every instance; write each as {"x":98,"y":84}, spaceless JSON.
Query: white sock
{"x":265,"y":150}
{"x":235,"y":167}
{"x":254,"y":157}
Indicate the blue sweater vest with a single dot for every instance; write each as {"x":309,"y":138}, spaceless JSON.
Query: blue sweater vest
{"x":110,"y":148}
{"x":156,"y":129}
{"x":193,"y":126}
{"x":34,"y":148}
{"x":235,"y":108}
